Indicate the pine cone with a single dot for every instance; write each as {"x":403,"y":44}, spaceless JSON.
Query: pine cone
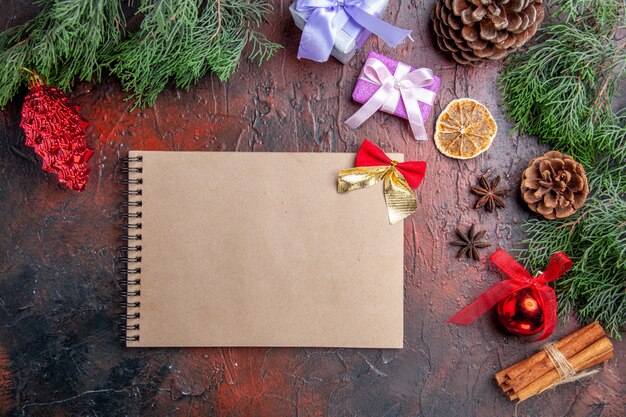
{"x":480,"y":30}
{"x":554,"y":185}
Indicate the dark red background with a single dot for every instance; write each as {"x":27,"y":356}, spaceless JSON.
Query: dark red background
{"x":58,"y":300}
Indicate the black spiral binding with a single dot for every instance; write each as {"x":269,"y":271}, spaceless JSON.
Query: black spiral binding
{"x":130,"y":254}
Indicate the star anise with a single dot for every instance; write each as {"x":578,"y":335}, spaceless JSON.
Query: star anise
{"x":470,"y":243}
{"x":489,"y":193}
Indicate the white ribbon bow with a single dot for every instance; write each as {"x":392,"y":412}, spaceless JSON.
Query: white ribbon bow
{"x":403,"y":84}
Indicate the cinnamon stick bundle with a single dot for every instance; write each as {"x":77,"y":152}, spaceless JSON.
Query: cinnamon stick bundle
{"x":583,"y":349}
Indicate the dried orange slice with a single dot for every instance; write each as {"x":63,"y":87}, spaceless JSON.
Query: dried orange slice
{"x":464,"y":129}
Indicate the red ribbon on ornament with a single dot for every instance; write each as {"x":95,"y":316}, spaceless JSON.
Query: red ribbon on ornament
{"x":370,"y":155}
{"x":519,"y":278}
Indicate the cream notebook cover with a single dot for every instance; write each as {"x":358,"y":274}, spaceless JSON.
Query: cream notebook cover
{"x":259,"y":249}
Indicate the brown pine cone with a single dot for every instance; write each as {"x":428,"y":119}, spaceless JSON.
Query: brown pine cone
{"x":554,"y":185}
{"x":478,"y":30}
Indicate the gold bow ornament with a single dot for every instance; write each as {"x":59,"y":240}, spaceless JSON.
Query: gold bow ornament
{"x":399,"y":179}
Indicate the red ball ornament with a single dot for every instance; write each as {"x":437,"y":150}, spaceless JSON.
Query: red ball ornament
{"x":521,"y":313}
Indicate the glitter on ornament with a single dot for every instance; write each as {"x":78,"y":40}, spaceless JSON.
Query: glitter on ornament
{"x":55,"y":129}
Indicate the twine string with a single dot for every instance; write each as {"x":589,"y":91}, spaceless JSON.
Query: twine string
{"x":566,"y":371}
{"x":560,"y":362}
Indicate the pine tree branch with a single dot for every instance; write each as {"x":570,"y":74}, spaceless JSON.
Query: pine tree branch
{"x":178,"y":40}
{"x":182,"y":40}
{"x":62,"y":43}
{"x":601,"y":98}
{"x":219,"y":20}
{"x":561,"y":90}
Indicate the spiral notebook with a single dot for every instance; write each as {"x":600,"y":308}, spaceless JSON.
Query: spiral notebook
{"x":257,"y":249}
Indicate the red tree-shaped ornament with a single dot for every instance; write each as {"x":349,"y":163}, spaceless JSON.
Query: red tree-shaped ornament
{"x":56,"y":130}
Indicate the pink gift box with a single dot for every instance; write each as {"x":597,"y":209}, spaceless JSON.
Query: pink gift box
{"x":364,"y":90}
